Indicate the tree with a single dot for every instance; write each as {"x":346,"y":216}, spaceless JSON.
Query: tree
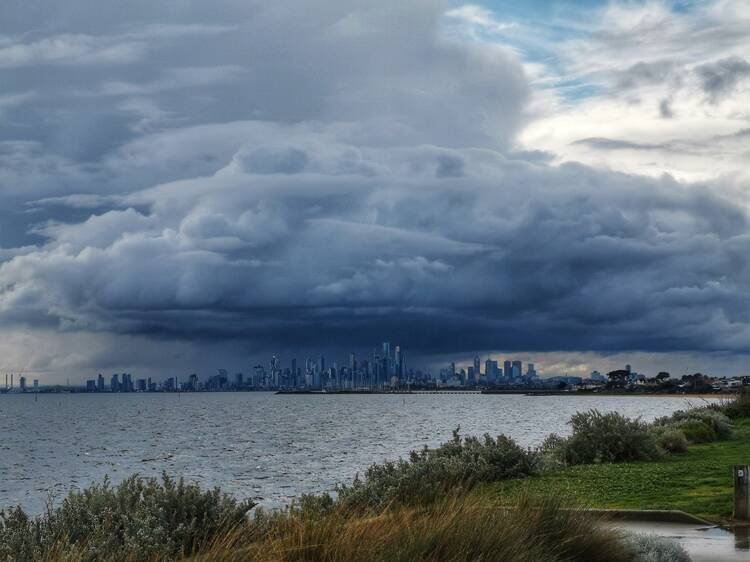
{"x":662,"y":376}
{"x":618,"y":378}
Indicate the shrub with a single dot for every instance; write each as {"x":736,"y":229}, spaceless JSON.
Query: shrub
{"x":739,"y":407}
{"x":430,"y":473}
{"x":139,"y":519}
{"x":670,"y":439}
{"x":697,"y":431}
{"x":720,"y":426}
{"x":606,"y":438}
{"x":651,"y":548}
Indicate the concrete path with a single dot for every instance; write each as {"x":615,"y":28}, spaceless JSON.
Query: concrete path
{"x":704,"y":544}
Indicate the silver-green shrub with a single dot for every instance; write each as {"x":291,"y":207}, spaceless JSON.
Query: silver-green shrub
{"x":670,"y":439}
{"x":700,"y":425}
{"x":138,"y":519}
{"x":428,"y":474}
{"x":604,"y":438}
{"x":652,"y":548}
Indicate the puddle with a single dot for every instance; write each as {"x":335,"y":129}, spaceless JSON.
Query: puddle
{"x":704,"y":544}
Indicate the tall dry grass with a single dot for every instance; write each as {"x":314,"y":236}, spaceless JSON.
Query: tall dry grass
{"x":452,"y":530}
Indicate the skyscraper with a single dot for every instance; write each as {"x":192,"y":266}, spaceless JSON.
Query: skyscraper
{"x":507,"y":371}
{"x":517,"y":370}
{"x":490,"y":370}
{"x":100,"y":383}
{"x":530,"y":371}
{"x":477,"y":364}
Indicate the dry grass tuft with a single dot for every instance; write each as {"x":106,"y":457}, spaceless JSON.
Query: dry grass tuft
{"x":450,"y":530}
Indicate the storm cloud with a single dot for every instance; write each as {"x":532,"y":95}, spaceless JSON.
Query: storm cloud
{"x":328,"y":174}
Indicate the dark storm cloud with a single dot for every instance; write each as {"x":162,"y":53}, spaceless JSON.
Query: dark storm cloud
{"x":286,"y":174}
{"x":719,"y":78}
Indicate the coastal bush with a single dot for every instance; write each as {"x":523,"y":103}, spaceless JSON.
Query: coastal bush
{"x":697,"y":431}
{"x":139,"y":519}
{"x":453,"y":528}
{"x":430,"y":473}
{"x":719,"y":424}
{"x":651,"y":548}
{"x":605,"y":438}
{"x":739,"y":407}
{"x":670,"y":439}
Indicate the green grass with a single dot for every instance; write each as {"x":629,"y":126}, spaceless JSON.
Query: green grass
{"x":698,"y":481}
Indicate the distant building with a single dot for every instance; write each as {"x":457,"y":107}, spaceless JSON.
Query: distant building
{"x":91,"y":385}
{"x":114,"y":383}
{"x":22,"y":384}
{"x":517,"y":369}
{"x":530,"y":372}
{"x":490,"y":371}
{"x":508,"y":371}
{"x":100,"y":383}
{"x":193,"y":382}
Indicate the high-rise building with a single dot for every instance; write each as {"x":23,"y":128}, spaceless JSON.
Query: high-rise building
{"x":517,"y":367}
{"x":22,"y":383}
{"x":100,"y":383}
{"x":508,"y":370}
{"x":114,"y":383}
{"x":530,"y":372}
{"x":490,"y":370}
{"x":477,"y":363}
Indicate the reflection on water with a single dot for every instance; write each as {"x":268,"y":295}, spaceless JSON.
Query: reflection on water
{"x":260,"y":445}
{"x":704,"y":544}
{"x":742,"y":538}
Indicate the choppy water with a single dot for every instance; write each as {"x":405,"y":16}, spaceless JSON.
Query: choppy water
{"x":259,"y":445}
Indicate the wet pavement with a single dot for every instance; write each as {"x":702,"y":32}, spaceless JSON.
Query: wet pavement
{"x":703,"y":543}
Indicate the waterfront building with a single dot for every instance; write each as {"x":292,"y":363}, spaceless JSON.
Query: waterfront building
{"x":490,"y":371}
{"x":100,"y":383}
{"x":517,"y":370}
{"x":508,"y":371}
{"x":530,"y":372}
{"x":193,"y":382}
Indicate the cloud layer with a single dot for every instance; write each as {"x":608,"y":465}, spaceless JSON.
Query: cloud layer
{"x":258,"y":177}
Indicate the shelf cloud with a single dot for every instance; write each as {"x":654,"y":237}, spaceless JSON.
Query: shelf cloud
{"x":260,"y":176}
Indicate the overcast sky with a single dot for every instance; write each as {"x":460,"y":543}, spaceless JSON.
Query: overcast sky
{"x":188,"y":185}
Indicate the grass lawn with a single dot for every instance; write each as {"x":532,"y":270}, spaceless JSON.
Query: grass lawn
{"x":698,"y":481}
